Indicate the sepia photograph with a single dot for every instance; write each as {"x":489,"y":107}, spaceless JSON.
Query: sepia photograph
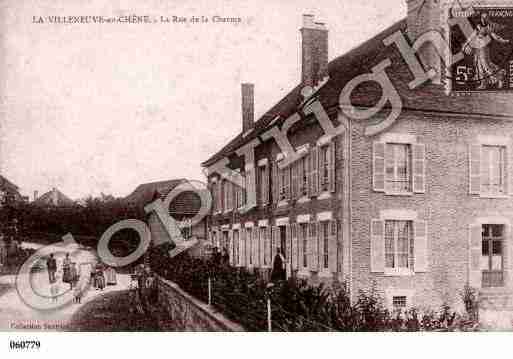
{"x":272,"y":166}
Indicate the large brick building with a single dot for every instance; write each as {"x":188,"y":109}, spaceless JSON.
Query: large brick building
{"x":419,"y":208}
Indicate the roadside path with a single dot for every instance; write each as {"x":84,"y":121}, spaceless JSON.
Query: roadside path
{"x":16,"y":315}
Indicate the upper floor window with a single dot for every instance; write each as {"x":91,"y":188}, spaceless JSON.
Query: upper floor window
{"x":214,"y":197}
{"x":489,"y":174}
{"x":284,"y":183}
{"x":324,"y":167}
{"x":398,"y":164}
{"x":493,"y":169}
{"x":263,"y":181}
{"x":303,"y":176}
{"x":398,"y":168}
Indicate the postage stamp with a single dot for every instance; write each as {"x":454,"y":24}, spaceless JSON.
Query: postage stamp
{"x":487,"y":64}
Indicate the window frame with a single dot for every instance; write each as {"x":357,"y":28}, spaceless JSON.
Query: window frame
{"x":396,"y":175}
{"x":396,"y":270}
{"x":503,"y":170}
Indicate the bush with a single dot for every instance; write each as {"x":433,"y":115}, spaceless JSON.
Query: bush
{"x":296,"y":305}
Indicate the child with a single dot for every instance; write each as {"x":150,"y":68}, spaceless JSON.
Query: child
{"x":77,"y":294}
{"x":54,"y":291}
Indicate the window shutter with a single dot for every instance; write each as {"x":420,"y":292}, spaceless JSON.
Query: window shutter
{"x":313,"y":243}
{"x":287,"y":182}
{"x":261,"y":245}
{"x":420,"y":246}
{"x":377,"y":245}
{"x":265,"y":184}
{"x":295,"y":182}
{"x":288,"y":243}
{"x":255,"y":247}
{"x":333,"y":247}
{"x":475,"y":169}
{"x":295,"y":242}
{"x":320,"y":245}
{"x":242,"y":246}
{"x":314,"y":173}
{"x":332,"y":165}
{"x":274,"y":184}
{"x":419,"y":168}
{"x":268,"y":243}
{"x":248,"y":247}
{"x":230,"y":247}
{"x":274,"y":242}
{"x":475,"y":244}
{"x":378,"y":166}
{"x":307,"y":171}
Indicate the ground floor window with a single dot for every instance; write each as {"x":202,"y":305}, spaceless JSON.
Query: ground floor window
{"x":304,"y":247}
{"x":399,"y":301}
{"x":248,"y":244}
{"x":236,"y":258}
{"x":492,"y":255}
{"x":264,"y":240}
{"x":399,"y":245}
{"x":325,"y":243}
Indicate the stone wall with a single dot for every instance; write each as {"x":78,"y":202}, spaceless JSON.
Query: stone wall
{"x":186,"y":313}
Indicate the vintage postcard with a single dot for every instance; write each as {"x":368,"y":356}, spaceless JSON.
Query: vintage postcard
{"x":266,"y":166}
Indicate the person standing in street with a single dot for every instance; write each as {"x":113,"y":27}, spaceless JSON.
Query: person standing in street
{"x":51,"y":265}
{"x":278,"y":272}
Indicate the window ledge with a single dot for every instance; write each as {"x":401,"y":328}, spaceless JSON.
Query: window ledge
{"x":303,"y":199}
{"x":325,"y":273}
{"x":324,"y":195}
{"x":303,"y":273}
{"x":283,"y":203}
{"x":398,"y":272}
{"x":497,"y":196}
{"x":407,"y":194}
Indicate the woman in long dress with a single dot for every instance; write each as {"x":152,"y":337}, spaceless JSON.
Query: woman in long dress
{"x":66,"y":270}
{"x":485,"y":71}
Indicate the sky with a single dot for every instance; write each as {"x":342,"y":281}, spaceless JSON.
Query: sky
{"x":92,"y":108}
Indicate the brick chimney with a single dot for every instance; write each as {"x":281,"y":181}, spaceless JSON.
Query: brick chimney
{"x":55,"y":197}
{"x":314,"y":51}
{"x":248,"y":106}
{"x":36,"y":193}
{"x":423,"y":16}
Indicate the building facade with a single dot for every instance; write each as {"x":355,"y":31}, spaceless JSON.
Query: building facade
{"x":418,"y":209}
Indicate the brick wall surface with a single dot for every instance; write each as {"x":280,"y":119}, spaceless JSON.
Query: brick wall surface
{"x":446,"y":205}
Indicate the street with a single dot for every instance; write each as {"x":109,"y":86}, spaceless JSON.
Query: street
{"x":15,"y":314}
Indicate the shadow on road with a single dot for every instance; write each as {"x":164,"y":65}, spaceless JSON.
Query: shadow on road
{"x":112,"y":312}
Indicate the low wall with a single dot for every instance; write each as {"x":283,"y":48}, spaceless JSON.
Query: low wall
{"x":187,"y":313}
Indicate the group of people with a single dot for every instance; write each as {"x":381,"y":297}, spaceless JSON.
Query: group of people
{"x":100,"y":277}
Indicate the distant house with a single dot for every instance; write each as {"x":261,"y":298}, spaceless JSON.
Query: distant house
{"x":183,"y":207}
{"x":9,"y":192}
{"x":54,"y":198}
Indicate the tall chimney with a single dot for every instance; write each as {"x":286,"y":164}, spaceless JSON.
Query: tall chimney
{"x":35,"y":195}
{"x":314,"y":51}
{"x":424,"y":16}
{"x":55,"y":196}
{"x":248,"y":106}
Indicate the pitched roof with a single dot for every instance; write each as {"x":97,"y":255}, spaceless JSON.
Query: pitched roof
{"x":186,"y":203}
{"x":428,"y":97}
{"x":54,"y":197}
{"x":145,"y":192}
{"x":5,"y":183}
